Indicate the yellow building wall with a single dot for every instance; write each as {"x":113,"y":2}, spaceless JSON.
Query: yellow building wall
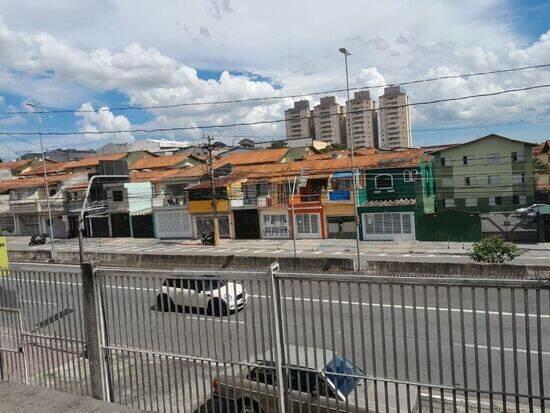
{"x":201,"y":207}
{"x":338,"y":209}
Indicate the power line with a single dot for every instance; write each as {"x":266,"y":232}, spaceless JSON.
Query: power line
{"x":292,"y":96}
{"x":266,"y":122}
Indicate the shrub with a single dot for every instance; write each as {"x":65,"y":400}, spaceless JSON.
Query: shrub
{"x":494,"y":250}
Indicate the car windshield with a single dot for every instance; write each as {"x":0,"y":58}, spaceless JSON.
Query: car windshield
{"x":341,"y":381}
{"x":209,"y":284}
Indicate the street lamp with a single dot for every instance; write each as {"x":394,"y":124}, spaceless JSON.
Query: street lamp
{"x":345,"y":52}
{"x":39,"y":109}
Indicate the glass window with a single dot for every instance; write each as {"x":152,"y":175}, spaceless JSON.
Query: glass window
{"x":495,"y":200}
{"x":517,"y":156}
{"x":384,"y":181}
{"x":493,"y":179}
{"x":493,"y":158}
{"x":263,"y":375}
{"x":523,"y":199}
{"x":443,"y":162}
{"x":517,"y":179}
{"x":449,"y":203}
{"x":515,"y":199}
{"x":118,"y":196}
{"x":467,"y":181}
{"x":467,"y":160}
{"x":407,"y":226}
{"x":471,"y":202}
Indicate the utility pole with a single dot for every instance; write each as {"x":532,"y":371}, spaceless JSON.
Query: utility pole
{"x":210,"y":165}
{"x":39,"y":121}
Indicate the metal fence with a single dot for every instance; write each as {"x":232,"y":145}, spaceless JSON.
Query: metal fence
{"x":195,"y":341}
{"x":41,"y":330}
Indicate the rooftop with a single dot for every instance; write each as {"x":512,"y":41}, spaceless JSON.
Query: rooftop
{"x":159,"y":162}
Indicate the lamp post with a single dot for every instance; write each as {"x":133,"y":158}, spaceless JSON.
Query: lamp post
{"x":37,"y":109}
{"x":345,"y":52}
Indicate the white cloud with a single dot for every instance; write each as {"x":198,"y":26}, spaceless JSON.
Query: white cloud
{"x":103,"y":120}
{"x":282,"y":41}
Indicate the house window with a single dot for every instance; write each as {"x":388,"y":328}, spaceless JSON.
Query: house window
{"x":518,"y":179}
{"x":495,"y":200}
{"x":447,"y":182}
{"x":467,"y":181}
{"x":515,"y":199}
{"x":444,"y":162}
{"x":52,"y":192}
{"x":493,"y":158}
{"x":307,"y":224}
{"x":275,"y":226}
{"x":449,"y":203}
{"x":517,"y":156}
{"x":384,"y":181}
{"x":471,"y":202}
{"x":387,"y":223}
{"x":409,"y":176}
{"x":467,"y":159}
{"x":493,"y":179}
{"x":523,"y":199}
{"x":118,"y":196}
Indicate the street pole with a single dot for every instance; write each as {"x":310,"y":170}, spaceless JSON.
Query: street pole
{"x":293,"y":216}
{"x":213,"y":190}
{"x":345,"y":52}
{"x":39,"y":121}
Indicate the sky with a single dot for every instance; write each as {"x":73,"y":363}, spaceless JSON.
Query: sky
{"x":104,"y":54}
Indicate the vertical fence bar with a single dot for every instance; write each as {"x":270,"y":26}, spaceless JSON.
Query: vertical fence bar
{"x":278,"y":333}
{"x":94,"y":331}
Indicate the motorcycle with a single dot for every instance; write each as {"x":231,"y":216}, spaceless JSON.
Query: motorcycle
{"x":208,"y":239}
{"x":38,"y":239}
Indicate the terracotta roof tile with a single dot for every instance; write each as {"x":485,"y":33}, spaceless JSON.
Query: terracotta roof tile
{"x":15,"y":164}
{"x":159,"y":162}
{"x":51,"y":168}
{"x":255,"y":157}
{"x":94,"y":160}
{"x":35,"y":181}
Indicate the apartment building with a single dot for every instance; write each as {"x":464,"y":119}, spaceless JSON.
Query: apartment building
{"x":329,"y":121}
{"x":363,"y":121}
{"x":395,"y":119}
{"x":299,"y":123}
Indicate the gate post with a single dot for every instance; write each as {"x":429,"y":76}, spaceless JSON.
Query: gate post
{"x":279,"y":339}
{"x":93,"y":330}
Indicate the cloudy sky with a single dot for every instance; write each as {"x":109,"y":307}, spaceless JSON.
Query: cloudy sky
{"x":84,"y":54}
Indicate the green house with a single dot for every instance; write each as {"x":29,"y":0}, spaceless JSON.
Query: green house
{"x":492,"y":173}
{"x":396,"y":190}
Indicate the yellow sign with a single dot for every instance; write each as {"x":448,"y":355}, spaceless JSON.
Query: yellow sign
{"x":4,"y":262}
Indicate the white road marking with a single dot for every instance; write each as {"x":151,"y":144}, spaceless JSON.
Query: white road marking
{"x":317,"y":252}
{"x":430,"y":256}
{"x":223,"y":250}
{"x":242,"y":250}
{"x":408,"y":307}
{"x":405,"y":255}
{"x":509,"y":349}
{"x":337,"y":253}
{"x":255,"y":252}
{"x":205,"y":249}
{"x":382,"y":254}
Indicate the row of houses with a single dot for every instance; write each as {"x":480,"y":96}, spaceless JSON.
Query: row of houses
{"x":432,"y":193}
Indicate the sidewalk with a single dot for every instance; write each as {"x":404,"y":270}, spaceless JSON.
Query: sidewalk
{"x":19,"y":398}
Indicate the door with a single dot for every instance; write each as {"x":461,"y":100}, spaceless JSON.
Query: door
{"x":247,"y":224}
{"x":120,"y":224}
{"x":341,"y":227}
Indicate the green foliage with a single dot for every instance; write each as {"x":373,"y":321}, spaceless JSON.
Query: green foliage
{"x":493,"y":250}
{"x":278,"y":145}
{"x":540,"y":169}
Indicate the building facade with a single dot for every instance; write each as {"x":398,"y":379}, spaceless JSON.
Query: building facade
{"x":299,"y":123}
{"x":362,"y":121}
{"x":489,"y":174}
{"x":395,"y":119}
{"x":329,"y":121}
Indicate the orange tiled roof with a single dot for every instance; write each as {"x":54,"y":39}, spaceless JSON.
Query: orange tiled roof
{"x":402,"y":159}
{"x":342,"y":153}
{"x":159,"y":162}
{"x":543,"y":147}
{"x":94,"y":160}
{"x":51,"y":168}
{"x":15,"y":164}
{"x":34,"y":181}
{"x":166,"y":175}
{"x":254,"y":157}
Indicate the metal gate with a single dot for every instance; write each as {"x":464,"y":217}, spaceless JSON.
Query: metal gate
{"x":41,"y":330}
{"x":511,"y":226}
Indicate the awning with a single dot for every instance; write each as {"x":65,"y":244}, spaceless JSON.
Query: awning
{"x":342,"y":175}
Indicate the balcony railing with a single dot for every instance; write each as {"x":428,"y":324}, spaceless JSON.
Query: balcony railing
{"x":30,"y":206}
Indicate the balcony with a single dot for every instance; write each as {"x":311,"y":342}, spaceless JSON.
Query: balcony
{"x":244,"y":203}
{"x":33,"y":206}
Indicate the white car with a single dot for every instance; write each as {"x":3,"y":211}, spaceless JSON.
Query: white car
{"x":207,"y":292}
{"x":535,"y":209}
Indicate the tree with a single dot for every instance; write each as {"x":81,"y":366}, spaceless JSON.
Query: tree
{"x":493,"y":250}
{"x":540,"y":169}
{"x":278,"y":145}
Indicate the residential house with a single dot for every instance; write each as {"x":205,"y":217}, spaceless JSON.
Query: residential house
{"x":541,"y":154}
{"x":492,"y":173}
{"x":180,"y":160}
{"x":399,"y":186}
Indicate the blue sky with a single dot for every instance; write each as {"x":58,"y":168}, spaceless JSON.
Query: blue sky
{"x":103,"y":54}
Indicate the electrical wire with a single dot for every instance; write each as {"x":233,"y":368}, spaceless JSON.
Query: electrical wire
{"x":266,"y":122}
{"x":292,"y":96}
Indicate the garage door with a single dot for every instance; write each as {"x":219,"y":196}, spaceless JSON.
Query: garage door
{"x":173,"y":224}
{"x":247,"y":224}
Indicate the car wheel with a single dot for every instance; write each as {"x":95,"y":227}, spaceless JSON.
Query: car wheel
{"x":165,"y":303}
{"x":248,"y":406}
{"x":217,"y":307}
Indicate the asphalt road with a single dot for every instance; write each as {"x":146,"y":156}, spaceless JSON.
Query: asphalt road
{"x":372,"y":250}
{"x":390,"y":332}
